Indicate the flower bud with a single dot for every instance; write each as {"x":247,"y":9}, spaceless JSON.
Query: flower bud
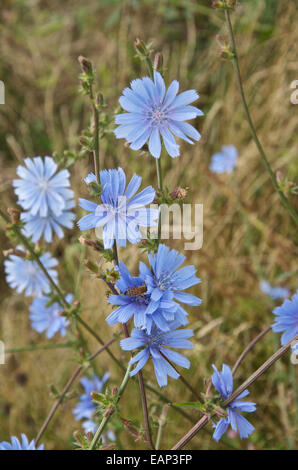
{"x":92,"y":266}
{"x":15,"y":252}
{"x":93,"y":244}
{"x":109,"y":411}
{"x":141,"y":47}
{"x":15,"y":214}
{"x":158,"y":61}
{"x":179,"y":193}
{"x":85,"y":64}
{"x":224,"y":4}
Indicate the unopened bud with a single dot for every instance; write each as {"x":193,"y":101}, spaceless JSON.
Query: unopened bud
{"x":79,"y":438}
{"x":225,"y":49}
{"x":15,"y":214}
{"x":208,"y":384}
{"x":141,"y":47}
{"x":220,"y":412}
{"x":278,"y":176}
{"x":109,"y":411}
{"x":15,"y":251}
{"x":158,"y":61}
{"x":92,"y":266}
{"x":109,"y":447}
{"x":81,"y":351}
{"x":114,"y":391}
{"x":85,"y":64}
{"x":77,"y":303}
{"x":93,"y":244}
{"x":179,"y":193}
{"x":224,"y":4}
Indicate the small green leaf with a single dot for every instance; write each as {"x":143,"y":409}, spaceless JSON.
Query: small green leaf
{"x":191,"y":404}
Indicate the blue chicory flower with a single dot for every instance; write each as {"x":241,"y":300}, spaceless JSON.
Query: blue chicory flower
{"x":40,"y":189}
{"x":151,"y":297}
{"x":16,"y":444}
{"x":133,"y":300}
{"x":156,"y":345}
{"x":86,"y":409}
{"x":153,"y":113}
{"x":223,"y":382}
{"x":121,"y":212}
{"x":276,"y":292}
{"x":166,"y":283}
{"x":224,"y":161}
{"x":287,"y":319}
{"x":48,"y":319}
{"x":25,"y":275}
{"x":37,"y":227}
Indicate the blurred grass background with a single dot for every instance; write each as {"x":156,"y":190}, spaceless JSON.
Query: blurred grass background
{"x":40,"y":42}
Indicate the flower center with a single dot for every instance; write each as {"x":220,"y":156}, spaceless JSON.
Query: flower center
{"x":155,"y":340}
{"x":157,"y":115}
{"x":164,"y":281}
{"x":43,"y":185}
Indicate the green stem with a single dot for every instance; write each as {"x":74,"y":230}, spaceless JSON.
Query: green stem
{"x":162,"y":422}
{"x":150,"y":67}
{"x":96,"y":136}
{"x":80,"y":272}
{"x":283,"y":198}
{"x":108,"y":415}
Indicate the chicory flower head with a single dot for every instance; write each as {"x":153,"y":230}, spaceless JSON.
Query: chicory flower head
{"x":156,"y":345}
{"x":166,"y":283}
{"x":276,"y":292}
{"x":37,"y":227}
{"x":40,"y":189}
{"x":223,"y":382}
{"x":122,"y":212}
{"x":26,"y":275}
{"x":48,"y":318}
{"x":153,"y":113}
{"x":86,"y":409}
{"x":224,"y":161}
{"x":16,"y":444}
{"x":287,"y":319}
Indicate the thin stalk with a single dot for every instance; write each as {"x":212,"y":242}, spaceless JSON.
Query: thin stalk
{"x":95,"y":114}
{"x":157,"y":160}
{"x":162,"y":422}
{"x":87,"y":327}
{"x":143,"y":398}
{"x":150,"y":67}
{"x":80,"y":272}
{"x":260,"y":371}
{"x":145,"y":410}
{"x":115,"y":252}
{"x":108,"y":415}
{"x":59,"y":400}
{"x":250,"y":347}
{"x":283,"y":198}
{"x":183,"y":379}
